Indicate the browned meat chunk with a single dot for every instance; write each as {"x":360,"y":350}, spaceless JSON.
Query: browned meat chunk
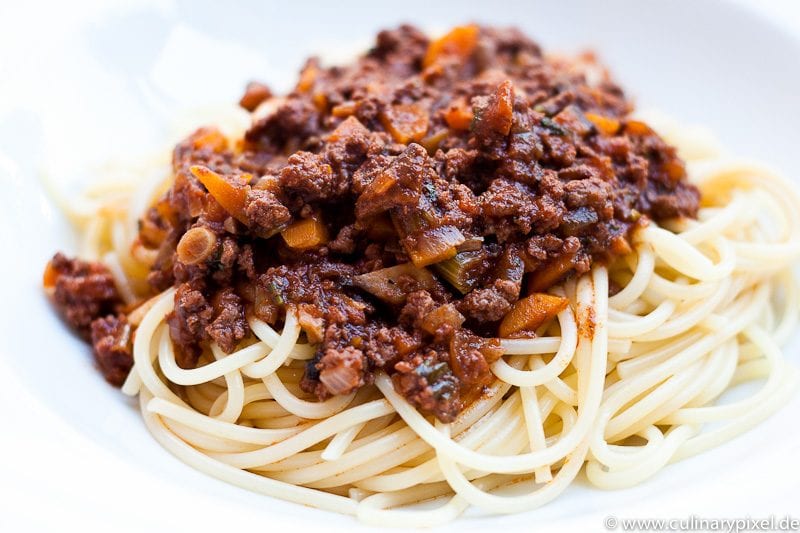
{"x":188,"y":323}
{"x":112,"y":343}
{"x":309,"y":176}
{"x":229,"y":325}
{"x":428,"y":384}
{"x":399,"y":184}
{"x":82,"y":291}
{"x":418,"y":304}
{"x":485,"y":305}
{"x":342,"y":371}
{"x":674,"y":203}
{"x":265,"y":212}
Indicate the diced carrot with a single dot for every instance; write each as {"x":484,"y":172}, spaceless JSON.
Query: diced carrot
{"x":348,"y":128}
{"x":320,"y":102}
{"x":405,"y":122}
{"x":50,"y":276}
{"x":382,"y":183}
{"x":636,"y":127}
{"x":531,"y":312}
{"x":344,"y":109}
{"x":307,"y":78}
{"x":606,"y":125}
{"x":254,"y":94}
{"x":458,"y":42}
{"x":444,"y":315}
{"x":552,"y":271}
{"x":305,"y":234}
{"x":226,"y":191}
{"x":674,"y":169}
{"x":210,"y":138}
{"x":405,"y":344}
{"x":458,"y":116}
{"x":501,"y":108}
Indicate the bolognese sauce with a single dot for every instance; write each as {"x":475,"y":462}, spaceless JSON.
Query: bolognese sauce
{"x":410,"y":208}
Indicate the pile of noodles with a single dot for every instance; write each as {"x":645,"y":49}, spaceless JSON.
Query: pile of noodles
{"x":621,"y":385}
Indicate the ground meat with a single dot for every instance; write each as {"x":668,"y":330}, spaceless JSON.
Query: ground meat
{"x":225,"y":264}
{"x":510,"y":209}
{"x":82,"y":291}
{"x":468,"y":359}
{"x":459,"y":163}
{"x":566,"y":257}
{"x":485,"y":305}
{"x":328,"y":175}
{"x":540,"y":247}
{"x":342,"y":371}
{"x":345,"y":241}
{"x":403,"y":177}
{"x":292,"y":122}
{"x":475,"y":168}
{"x":673,"y":204}
{"x":265,"y":212}
{"x":112,"y":344}
{"x":309,"y":176}
{"x":592,"y":193}
{"x":246,"y":262}
{"x":187,"y":198}
{"x":229,"y":325}
{"x":405,"y":44}
{"x":429,"y":385}
{"x":418,"y":304}
{"x":508,"y":289}
{"x":348,"y":146}
{"x":188,"y":323}
{"x":386,"y":346}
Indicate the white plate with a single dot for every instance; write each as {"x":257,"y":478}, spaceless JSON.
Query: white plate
{"x":80,"y":86}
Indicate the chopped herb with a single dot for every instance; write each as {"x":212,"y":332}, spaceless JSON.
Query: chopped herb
{"x":553,"y":126}
{"x":276,"y":290}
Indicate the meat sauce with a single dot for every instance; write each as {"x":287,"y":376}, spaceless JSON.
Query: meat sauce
{"x":409,"y":207}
